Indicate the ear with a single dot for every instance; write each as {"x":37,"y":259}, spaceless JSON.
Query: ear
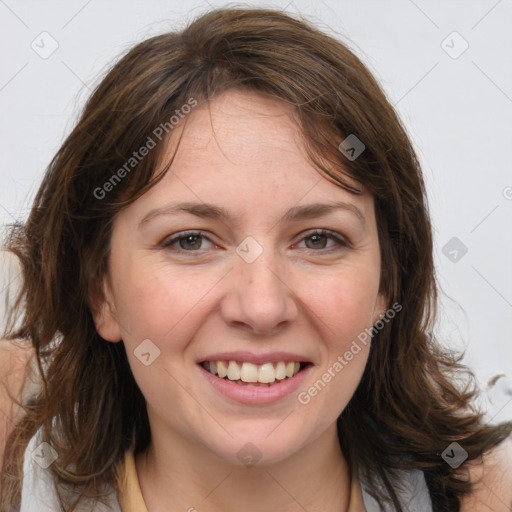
{"x":381,"y":306}
{"x":104,"y":311}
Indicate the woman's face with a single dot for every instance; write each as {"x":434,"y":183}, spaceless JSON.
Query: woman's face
{"x":257,"y":287}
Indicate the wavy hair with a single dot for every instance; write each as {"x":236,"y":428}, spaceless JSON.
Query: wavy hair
{"x":414,"y":398}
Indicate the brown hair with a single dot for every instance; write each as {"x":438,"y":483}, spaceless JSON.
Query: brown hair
{"x":411,"y":402}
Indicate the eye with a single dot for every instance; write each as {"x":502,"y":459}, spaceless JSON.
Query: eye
{"x":318,"y":238}
{"x":189,"y":241}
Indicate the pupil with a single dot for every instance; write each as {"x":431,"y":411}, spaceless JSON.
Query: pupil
{"x":188,"y":238}
{"x":316,"y":238}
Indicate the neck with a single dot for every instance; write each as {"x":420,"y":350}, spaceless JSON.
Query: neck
{"x":180,"y":476}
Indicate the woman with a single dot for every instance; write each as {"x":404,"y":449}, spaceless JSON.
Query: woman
{"x":229,"y":288}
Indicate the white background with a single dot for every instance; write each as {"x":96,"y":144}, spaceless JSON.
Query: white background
{"x":458,"y":112}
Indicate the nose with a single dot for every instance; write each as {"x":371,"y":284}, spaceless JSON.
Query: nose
{"x":258,"y":298}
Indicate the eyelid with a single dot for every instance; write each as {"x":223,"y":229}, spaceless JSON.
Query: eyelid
{"x":169,"y":240}
{"x":341,"y":241}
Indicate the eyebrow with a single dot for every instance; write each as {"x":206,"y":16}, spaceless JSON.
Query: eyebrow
{"x":211,"y":211}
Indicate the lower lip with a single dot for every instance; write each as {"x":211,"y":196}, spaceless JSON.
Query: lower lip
{"x":256,"y":395}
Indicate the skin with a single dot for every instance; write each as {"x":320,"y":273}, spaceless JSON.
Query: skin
{"x":287,"y":299}
{"x":16,"y":382}
{"x":304,"y":295}
{"x":492,"y":477}
{"x":182,"y":464}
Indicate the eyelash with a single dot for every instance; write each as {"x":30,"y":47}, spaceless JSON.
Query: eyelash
{"x":342,"y":243}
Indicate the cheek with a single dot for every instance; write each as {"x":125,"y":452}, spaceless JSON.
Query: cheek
{"x":352,"y":306}
{"x":158,"y":303}
{"x":163,"y":307}
{"x":346,"y":305}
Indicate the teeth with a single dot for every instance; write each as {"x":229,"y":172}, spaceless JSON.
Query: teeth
{"x":222,"y":369}
{"x":243,"y":373}
{"x":233,"y":371}
{"x":281,"y":370}
{"x":266,"y":373}
{"x":248,"y":373}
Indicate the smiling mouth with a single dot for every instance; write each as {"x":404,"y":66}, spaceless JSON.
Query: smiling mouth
{"x":249,"y":374}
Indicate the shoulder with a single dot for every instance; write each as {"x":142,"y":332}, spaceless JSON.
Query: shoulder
{"x":14,"y":353}
{"x":492,"y":479}
{"x":16,"y":359}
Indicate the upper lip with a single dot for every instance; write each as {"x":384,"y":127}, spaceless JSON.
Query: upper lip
{"x":251,"y":357}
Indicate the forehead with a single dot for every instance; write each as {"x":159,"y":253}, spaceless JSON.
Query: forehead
{"x":245,"y":152}
{"x":238,"y":128}
{"x":242,"y":133}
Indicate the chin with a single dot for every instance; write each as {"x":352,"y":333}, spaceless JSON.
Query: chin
{"x":258,"y":447}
